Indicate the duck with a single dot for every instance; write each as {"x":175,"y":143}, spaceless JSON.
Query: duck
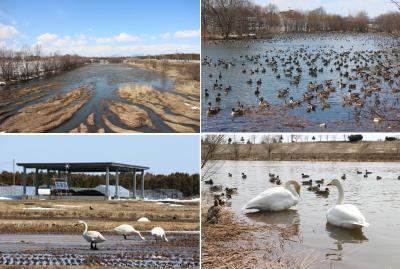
{"x":244,"y":176}
{"x":126,"y":229}
{"x":343,"y":215}
{"x":343,"y":176}
{"x":314,"y":188}
{"x":323,"y":192}
{"x":209,"y":182}
{"x":276,"y":199}
{"x":237,"y":112}
{"x":93,"y":237}
{"x":359,"y":172}
{"x":159,"y":234}
{"x":308,"y":182}
{"x":229,"y":175}
{"x":212,"y":110}
{"x":321,"y":181}
{"x":378,"y":177}
{"x":304,"y":176}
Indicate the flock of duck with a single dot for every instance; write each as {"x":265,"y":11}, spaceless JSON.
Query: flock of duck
{"x":364,"y":77}
{"x":95,"y":237}
{"x":283,"y":197}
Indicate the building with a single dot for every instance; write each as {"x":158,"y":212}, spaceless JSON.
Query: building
{"x":160,"y":194}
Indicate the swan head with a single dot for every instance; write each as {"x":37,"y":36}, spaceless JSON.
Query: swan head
{"x":295,"y":184}
{"x":335,"y":182}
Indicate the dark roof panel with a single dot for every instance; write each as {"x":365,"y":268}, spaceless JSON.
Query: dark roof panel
{"x":85,"y":167}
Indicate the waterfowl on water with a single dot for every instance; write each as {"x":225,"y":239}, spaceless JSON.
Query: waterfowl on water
{"x":244,"y":176}
{"x":229,"y":175}
{"x":304,"y":175}
{"x":343,"y":176}
{"x":276,"y":199}
{"x":323,"y":192}
{"x":344,"y":215}
{"x":308,"y":182}
{"x":209,"y":182}
{"x":378,"y":178}
{"x":320,"y":181}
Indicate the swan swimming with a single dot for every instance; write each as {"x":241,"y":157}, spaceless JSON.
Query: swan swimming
{"x":93,"y":237}
{"x":344,"y":215}
{"x":126,"y":229}
{"x":276,"y":199}
{"x":159,"y":233}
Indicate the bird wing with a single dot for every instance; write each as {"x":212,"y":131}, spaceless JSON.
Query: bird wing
{"x":346,"y":215}
{"x":95,"y":236}
{"x":124,"y":228}
{"x":274,"y":199}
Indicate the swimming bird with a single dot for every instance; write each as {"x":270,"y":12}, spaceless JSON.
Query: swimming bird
{"x":343,"y":177}
{"x":344,"y":215}
{"x":308,"y":182}
{"x":126,"y":229}
{"x":209,"y":182}
{"x":276,"y":199}
{"x":378,"y":178}
{"x":321,"y":181}
{"x":304,"y":176}
{"x":244,"y":176}
{"x":93,"y":237}
{"x":229,"y":175}
{"x":159,"y":233}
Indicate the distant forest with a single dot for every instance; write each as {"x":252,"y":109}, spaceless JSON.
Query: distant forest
{"x":186,"y":183}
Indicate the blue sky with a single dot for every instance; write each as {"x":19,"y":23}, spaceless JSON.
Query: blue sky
{"x":342,"y":7}
{"x":164,"y":154}
{"x":89,"y":27}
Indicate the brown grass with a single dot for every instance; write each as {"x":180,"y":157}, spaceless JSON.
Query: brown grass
{"x":106,"y":215}
{"x":45,"y":116}
{"x":234,"y":244}
{"x":130,"y":115}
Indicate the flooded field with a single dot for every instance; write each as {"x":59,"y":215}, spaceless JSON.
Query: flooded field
{"x":333,"y":247}
{"x":104,"y":110}
{"x":182,"y":250}
{"x":307,"y":82}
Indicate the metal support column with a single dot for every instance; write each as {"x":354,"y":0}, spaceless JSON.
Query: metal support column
{"x":116,"y":193}
{"x":106,"y":197}
{"x":24,"y":181}
{"x":48,"y":179}
{"x":134,"y":184}
{"x":36,"y":182}
{"x":142,"y":184}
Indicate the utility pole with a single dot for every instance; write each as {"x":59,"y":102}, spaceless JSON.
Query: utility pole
{"x":14,"y":171}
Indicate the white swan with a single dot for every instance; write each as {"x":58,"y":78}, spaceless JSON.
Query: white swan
{"x":276,"y":199}
{"x":126,"y":229}
{"x":159,"y":233}
{"x":143,"y":219}
{"x":93,"y":237}
{"x":344,"y":215}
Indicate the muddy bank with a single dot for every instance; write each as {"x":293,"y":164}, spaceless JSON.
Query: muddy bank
{"x":45,"y":116}
{"x":178,"y":112}
{"x":182,"y":250}
{"x":310,"y":151}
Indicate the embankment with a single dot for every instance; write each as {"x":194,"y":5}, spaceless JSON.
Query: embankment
{"x":310,"y":151}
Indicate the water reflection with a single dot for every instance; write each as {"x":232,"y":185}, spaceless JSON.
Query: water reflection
{"x":286,"y":217}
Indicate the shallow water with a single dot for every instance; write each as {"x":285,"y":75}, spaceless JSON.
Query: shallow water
{"x":327,"y":46}
{"x":375,"y":247}
{"x":104,"y":79}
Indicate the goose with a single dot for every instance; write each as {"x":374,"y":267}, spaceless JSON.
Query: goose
{"x":276,"y":199}
{"x":126,"y":229}
{"x":159,"y":233}
{"x":93,"y":237}
{"x":344,"y":215}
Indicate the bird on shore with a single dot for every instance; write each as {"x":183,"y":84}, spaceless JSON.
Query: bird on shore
{"x":276,"y":199}
{"x":344,"y":215}
{"x":159,"y":234}
{"x":125,"y":230}
{"x":93,"y":237}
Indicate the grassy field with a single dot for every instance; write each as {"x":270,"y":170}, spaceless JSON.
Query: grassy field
{"x":60,"y":216}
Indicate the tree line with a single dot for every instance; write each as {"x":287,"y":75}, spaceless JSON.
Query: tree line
{"x":229,"y":18}
{"x":186,"y":183}
{"x":28,"y":63}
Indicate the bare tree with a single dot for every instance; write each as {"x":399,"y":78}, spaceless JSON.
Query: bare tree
{"x":211,"y":143}
{"x":397,"y":3}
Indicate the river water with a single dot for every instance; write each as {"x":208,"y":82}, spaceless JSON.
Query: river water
{"x":104,"y":79}
{"x":375,"y":247}
{"x":353,"y":49}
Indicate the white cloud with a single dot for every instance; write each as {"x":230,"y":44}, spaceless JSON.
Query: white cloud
{"x":45,"y":38}
{"x":122,"y":37}
{"x":166,"y":35}
{"x":7,"y":31}
{"x":3,"y":44}
{"x":187,"y":34}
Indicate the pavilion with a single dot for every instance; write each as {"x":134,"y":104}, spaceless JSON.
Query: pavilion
{"x":95,"y":167}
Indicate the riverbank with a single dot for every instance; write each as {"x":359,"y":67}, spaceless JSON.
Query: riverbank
{"x":310,"y":151}
{"x":235,"y":244}
{"x":60,"y":216}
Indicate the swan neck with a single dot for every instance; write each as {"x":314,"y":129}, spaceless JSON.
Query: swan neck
{"x":86,"y":227}
{"x":341,"y":194}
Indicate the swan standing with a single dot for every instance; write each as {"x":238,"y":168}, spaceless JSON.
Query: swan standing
{"x":126,"y":229}
{"x":159,"y":233}
{"x":276,"y":199}
{"x":344,"y":215}
{"x":93,"y":237}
